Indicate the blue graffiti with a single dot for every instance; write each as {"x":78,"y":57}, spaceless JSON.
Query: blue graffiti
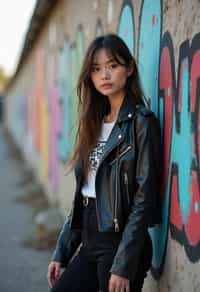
{"x":126,"y":27}
{"x":64,"y":86}
{"x":149,"y":49}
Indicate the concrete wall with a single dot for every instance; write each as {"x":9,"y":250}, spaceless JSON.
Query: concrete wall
{"x":41,"y":114}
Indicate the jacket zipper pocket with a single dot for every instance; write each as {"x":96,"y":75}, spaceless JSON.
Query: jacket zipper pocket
{"x":121,"y":154}
{"x":126,"y":186}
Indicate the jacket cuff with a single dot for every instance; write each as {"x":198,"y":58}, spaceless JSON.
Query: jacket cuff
{"x":128,"y":256}
{"x":58,"y":257}
{"x":125,"y":270}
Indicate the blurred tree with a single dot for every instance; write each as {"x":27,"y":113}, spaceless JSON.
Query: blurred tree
{"x":4,"y":79}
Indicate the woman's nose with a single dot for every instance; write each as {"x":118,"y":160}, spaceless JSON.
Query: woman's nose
{"x":105,"y":73}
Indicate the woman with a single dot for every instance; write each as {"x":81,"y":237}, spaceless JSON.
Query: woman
{"x":118,"y":175}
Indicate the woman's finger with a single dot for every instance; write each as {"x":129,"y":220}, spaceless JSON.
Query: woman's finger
{"x":115,"y":287}
{"x":111,"y":287}
{"x":127,"y":288}
{"x":50,"y":275}
{"x":122,"y":289}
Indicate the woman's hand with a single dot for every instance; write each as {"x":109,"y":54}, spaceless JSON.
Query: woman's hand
{"x":53,"y":272}
{"x":118,"y":284}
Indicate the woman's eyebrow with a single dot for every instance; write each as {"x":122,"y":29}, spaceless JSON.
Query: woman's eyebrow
{"x":109,"y":61}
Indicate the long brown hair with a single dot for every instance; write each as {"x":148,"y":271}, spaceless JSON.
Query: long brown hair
{"x":93,"y":105}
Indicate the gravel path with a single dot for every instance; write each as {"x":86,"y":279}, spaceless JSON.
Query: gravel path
{"x":21,"y":269}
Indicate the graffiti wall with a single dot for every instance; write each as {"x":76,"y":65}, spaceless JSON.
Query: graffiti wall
{"x":46,"y":112}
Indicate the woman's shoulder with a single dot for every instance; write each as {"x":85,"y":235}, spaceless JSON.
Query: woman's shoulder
{"x":146,"y":117}
{"x":143,"y":110}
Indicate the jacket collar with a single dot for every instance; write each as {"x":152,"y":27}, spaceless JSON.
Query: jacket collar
{"x":126,"y":112}
{"x":127,"y":109}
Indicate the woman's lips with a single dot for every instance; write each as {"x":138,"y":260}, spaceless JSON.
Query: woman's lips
{"x":107,"y":85}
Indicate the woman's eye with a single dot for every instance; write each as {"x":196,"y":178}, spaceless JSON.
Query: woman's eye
{"x":114,"y":65}
{"x":95,"y":69}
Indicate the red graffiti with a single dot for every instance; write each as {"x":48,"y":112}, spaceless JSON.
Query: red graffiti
{"x":167,"y":87}
{"x":175,"y":212}
{"x":184,"y":229}
{"x":192,"y":226}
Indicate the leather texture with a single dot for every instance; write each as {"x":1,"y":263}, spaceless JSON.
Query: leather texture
{"x":128,"y":185}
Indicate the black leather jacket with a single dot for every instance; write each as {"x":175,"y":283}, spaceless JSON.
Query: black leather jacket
{"x":127,"y":184}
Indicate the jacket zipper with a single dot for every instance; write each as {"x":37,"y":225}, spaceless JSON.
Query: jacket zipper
{"x":122,"y":153}
{"x":98,"y":219}
{"x":116,"y":222}
{"x":126,"y":185}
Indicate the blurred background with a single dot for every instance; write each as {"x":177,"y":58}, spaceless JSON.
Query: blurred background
{"x":14,"y":20}
{"x":42,"y":47}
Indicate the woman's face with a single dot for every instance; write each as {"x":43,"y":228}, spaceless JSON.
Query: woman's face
{"x":108,"y":76}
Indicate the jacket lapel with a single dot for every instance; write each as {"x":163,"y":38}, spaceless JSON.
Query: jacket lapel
{"x":126,"y":112}
{"x":115,"y":138}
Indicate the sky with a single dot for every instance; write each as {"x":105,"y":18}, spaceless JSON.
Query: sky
{"x":14,"y":22}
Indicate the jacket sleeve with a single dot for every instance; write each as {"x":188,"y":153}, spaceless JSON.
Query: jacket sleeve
{"x":67,"y":243}
{"x":148,"y":142}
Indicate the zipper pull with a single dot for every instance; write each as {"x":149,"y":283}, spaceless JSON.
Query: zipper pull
{"x":125,"y":178}
{"x":116,"y":225}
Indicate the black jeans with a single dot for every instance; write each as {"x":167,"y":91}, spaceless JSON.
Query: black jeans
{"x":89,"y":270}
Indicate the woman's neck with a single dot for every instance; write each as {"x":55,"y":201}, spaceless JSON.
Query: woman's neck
{"x":115,"y":104}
